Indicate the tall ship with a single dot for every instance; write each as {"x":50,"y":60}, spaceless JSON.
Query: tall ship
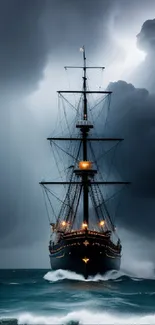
{"x":83,"y":236}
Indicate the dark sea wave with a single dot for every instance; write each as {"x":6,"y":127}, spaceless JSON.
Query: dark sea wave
{"x":62,"y":297}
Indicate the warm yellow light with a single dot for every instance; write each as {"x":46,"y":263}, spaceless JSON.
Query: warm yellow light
{"x":84,"y":225}
{"x":85,"y":165}
{"x":86,"y":242}
{"x":63,"y":223}
{"x":86,"y":260}
{"x":102,"y":222}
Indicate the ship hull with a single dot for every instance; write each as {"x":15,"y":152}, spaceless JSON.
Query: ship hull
{"x":85,"y":254}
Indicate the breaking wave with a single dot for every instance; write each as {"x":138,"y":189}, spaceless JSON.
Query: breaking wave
{"x":59,"y":275}
{"x":81,"y":317}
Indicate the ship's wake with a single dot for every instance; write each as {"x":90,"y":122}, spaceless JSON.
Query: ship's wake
{"x":113,"y":275}
{"x":59,"y":275}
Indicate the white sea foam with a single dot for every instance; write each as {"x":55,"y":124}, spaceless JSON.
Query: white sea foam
{"x":84,"y":317}
{"x":59,"y":275}
{"x":14,"y":283}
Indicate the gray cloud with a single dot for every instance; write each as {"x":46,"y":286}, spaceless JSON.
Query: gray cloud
{"x":146,"y":37}
{"x":143,"y":76}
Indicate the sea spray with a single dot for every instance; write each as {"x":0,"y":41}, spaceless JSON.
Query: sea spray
{"x":60,"y":275}
{"x":83,"y":317}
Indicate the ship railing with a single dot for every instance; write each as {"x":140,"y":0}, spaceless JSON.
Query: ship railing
{"x":89,"y":232}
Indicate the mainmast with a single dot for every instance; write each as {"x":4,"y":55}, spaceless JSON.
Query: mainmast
{"x":84,"y":85}
{"x":85,"y":131}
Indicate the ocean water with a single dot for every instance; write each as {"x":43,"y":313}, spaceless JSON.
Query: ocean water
{"x":62,"y":297}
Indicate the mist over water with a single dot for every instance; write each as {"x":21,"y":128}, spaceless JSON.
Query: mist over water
{"x":137,"y":257}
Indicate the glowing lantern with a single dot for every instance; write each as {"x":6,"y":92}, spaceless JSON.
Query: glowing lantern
{"x":85,"y":165}
{"x":63,"y":223}
{"x":84,"y":225}
{"x":102,"y":222}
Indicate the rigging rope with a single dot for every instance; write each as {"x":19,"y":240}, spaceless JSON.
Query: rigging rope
{"x":64,"y":150}
{"x":51,"y":192}
{"x":66,"y":100}
{"x":50,"y":204}
{"x":57,"y":165}
{"x":78,"y":200}
{"x":65,"y":115}
{"x":100,"y":101}
{"x":108,"y":174}
{"x":46,"y":205}
{"x":106,"y":152}
{"x":93,"y":154}
{"x":106,"y":121}
{"x":106,"y":209}
{"x":70,"y":186}
{"x":94,"y":202}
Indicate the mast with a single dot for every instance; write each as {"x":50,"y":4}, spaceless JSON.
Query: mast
{"x":85,"y":131}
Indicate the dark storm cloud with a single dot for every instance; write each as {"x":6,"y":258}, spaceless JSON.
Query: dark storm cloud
{"x":31,"y":30}
{"x":133,"y":117}
{"x":144,"y":74}
{"x":23,"y":46}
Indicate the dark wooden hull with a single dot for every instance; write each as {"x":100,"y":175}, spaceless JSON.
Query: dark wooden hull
{"x":87,"y":253}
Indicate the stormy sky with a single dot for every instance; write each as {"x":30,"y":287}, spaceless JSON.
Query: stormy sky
{"x":37,"y":38}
